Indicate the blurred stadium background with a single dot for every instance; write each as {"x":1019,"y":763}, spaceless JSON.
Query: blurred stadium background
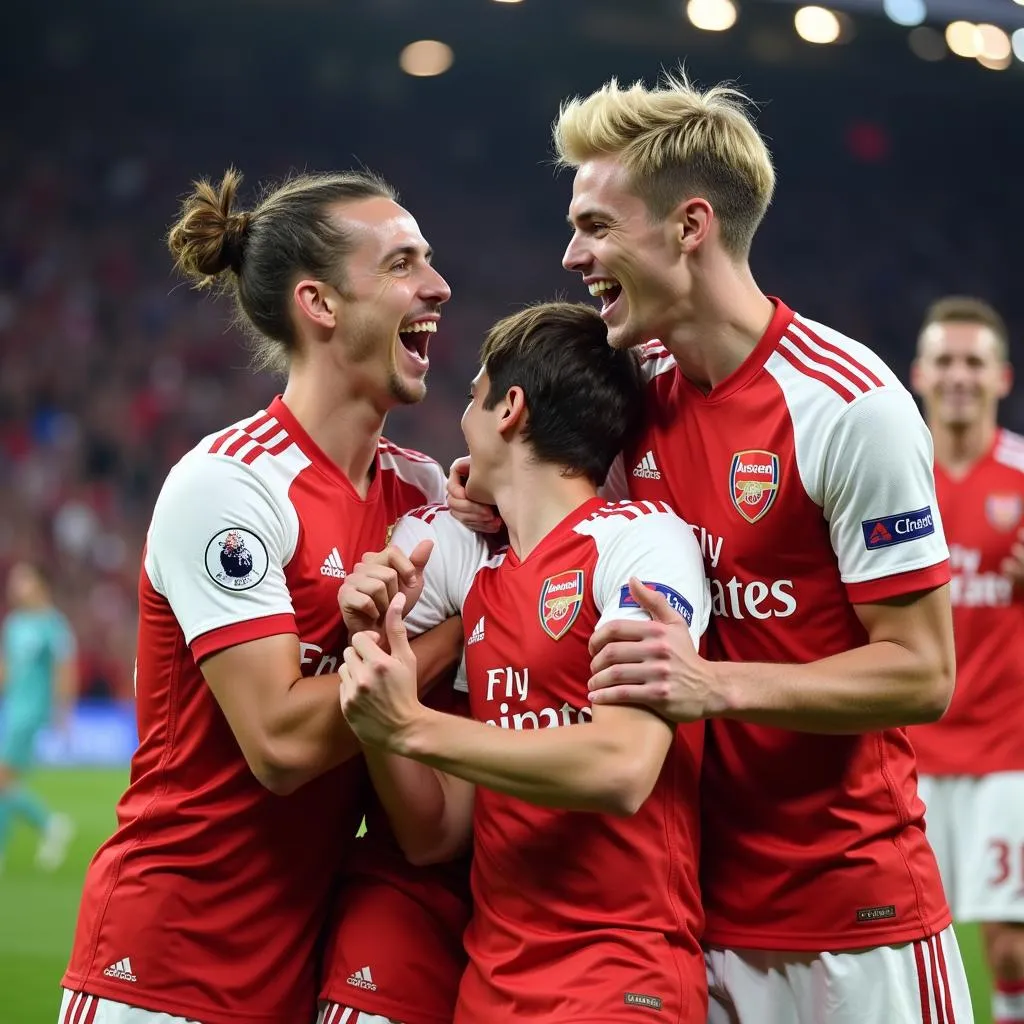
{"x":897,"y":127}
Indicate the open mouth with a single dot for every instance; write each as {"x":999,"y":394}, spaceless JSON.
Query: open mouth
{"x":608,"y":291}
{"x":415,"y":339}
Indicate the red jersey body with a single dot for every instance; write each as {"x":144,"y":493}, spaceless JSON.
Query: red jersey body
{"x":807,"y":478}
{"x":577,"y":917}
{"x":983,"y":730}
{"x":213,"y":892}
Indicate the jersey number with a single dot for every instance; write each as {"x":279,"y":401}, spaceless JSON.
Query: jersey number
{"x":1005,"y":854}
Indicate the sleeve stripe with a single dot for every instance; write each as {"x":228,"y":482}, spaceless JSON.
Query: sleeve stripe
{"x":223,"y":637}
{"x":805,"y":342}
{"x":898,"y":584}
{"x":796,"y":362}
{"x":839,"y":353}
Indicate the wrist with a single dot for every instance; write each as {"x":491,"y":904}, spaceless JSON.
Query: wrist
{"x":416,"y":738}
{"x":724,"y":690}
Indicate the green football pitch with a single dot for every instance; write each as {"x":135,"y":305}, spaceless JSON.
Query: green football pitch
{"x":37,"y":911}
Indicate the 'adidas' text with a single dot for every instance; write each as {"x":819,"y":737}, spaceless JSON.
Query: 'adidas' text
{"x":362,"y":979}
{"x":478,"y":632}
{"x":122,"y":970}
{"x":332,"y":565}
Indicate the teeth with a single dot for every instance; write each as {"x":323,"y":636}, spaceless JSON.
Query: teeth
{"x":597,"y":287}
{"x":430,"y":326}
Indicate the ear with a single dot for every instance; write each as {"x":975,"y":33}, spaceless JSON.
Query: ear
{"x":692,"y":221}
{"x":316,"y":302}
{"x":915,"y":376}
{"x":1005,"y":380}
{"x":513,"y":411}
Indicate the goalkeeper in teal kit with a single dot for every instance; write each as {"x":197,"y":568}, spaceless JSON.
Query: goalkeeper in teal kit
{"x":37,"y":677}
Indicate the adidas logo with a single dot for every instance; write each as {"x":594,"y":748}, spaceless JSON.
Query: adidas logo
{"x":478,"y":632}
{"x":332,"y":566}
{"x":362,"y":979}
{"x":121,"y":970}
{"x":647,"y":468}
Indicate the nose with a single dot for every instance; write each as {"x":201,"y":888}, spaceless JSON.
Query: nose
{"x":436,"y":288}
{"x":575,"y":258}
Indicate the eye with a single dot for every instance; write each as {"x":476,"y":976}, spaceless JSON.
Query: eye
{"x":402,"y":264}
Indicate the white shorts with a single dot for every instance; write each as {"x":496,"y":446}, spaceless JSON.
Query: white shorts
{"x":976,"y":827}
{"x":79,"y":1008}
{"x":335,"y":1013}
{"x":919,"y":982}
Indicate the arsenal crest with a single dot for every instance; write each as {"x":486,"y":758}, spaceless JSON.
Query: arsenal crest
{"x":561,"y":597}
{"x":754,"y":482}
{"x":1003,"y":511}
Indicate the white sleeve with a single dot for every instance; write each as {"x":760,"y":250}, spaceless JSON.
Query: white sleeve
{"x":878,"y":495}
{"x":217,"y":547}
{"x":616,"y":483}
{"x":458,"y":553}
{"x":660,"y":550}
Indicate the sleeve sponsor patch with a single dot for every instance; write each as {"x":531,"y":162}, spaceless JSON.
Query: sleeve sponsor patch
{"x":676,"y":600}
{"x":898,"y":529}
{"x":236,"y":559}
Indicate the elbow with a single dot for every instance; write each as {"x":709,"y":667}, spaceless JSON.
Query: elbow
{"x":422,"y":855}
{"x":627,"y":788}
{"x":276,"y":769}
{"x":936,"y":693}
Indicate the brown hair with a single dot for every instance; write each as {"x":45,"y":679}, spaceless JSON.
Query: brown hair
{"x":964,"y":309}
{"x":676,"y":142}
{"x":584,"y":398}
{"x":257,"y":254}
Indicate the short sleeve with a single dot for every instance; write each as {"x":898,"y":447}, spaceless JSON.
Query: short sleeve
{"x":216,"y":550}
{"x":660,"y":550}
{"x":457,"y":555}
{"x":879,"y":499}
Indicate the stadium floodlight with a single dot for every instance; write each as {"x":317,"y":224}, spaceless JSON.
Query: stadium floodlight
{"x":963,"y":38}
{"x":905,"y":12}
{"x":817,"y":25}
{"x":927,"y":43}
{"x":995,"y":43}
{"x":711,"y":15}
{"x":1017,"y":41}
{"x":426,"y":58}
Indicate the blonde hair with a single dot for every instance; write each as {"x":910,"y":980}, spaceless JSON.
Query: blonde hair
{"x":965,"y":309}
{"x":676,"y":142}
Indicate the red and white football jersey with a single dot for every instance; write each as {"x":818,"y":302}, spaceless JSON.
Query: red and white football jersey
{"x":213,"y":891}
{"x":577,"y":916}
{"x":807,"y":476}
{"x":983,"y":730}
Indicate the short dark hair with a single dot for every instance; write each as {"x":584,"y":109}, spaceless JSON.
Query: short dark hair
{"x":261,"y":251}
{"x":584,"y":399}
{"x":965,"y":309}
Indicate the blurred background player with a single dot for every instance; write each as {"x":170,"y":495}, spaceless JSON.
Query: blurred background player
{"x":972,"y":760}
{"x":208,"y":902}
{"x":565,"y":927}
{"x":39,"y":683}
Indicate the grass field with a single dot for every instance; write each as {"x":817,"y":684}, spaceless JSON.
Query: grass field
{"x":37,"y":912}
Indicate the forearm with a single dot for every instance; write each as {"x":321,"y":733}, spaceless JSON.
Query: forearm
{"x":878,"y":686}
{"x":573,"y":768}
{"x":416,"y":798}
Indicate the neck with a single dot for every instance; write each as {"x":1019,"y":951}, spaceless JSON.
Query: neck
{"x":534,"y":498}
{"x":720,"y":325}
{"x":959,"y":447}
{"x":344,"y":424}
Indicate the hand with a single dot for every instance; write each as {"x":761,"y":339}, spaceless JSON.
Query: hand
{"x":477,"y":517}
{"x":652,"y":663}
{"x":378,"y":690}
{"x":1012,"y":567}
{"x":371,"y":586}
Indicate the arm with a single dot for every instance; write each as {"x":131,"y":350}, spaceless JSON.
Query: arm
{"x":902,"y":675}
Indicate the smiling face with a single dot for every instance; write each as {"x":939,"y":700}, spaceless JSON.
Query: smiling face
{"x":960,"y":374}
{"x":625,"y":256}
{"x":390,"y":304}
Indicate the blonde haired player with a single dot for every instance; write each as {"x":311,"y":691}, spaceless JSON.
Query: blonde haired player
{"x":972,"y":762}
{"x":805,"y":469}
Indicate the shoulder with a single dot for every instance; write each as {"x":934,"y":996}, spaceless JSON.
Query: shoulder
{"x":619,"y":521}
{"x":436,"y":521}
{"x":413,"y":468}
{"x":1009,"y":450}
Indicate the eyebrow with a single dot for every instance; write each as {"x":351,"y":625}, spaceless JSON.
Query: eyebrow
{"x":586,"y":215}
{"x":409,"y":250}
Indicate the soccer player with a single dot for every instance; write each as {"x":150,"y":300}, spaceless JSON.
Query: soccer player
{"x":208,"y":901}
{"x":806,"y":471}
{"x":578,"y":917}
{"x":37,"y":672}
{"x":972,"y":760}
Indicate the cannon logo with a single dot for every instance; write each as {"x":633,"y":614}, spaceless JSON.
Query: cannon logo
{"x":561,"y":598}
{"x":754,"y":482}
